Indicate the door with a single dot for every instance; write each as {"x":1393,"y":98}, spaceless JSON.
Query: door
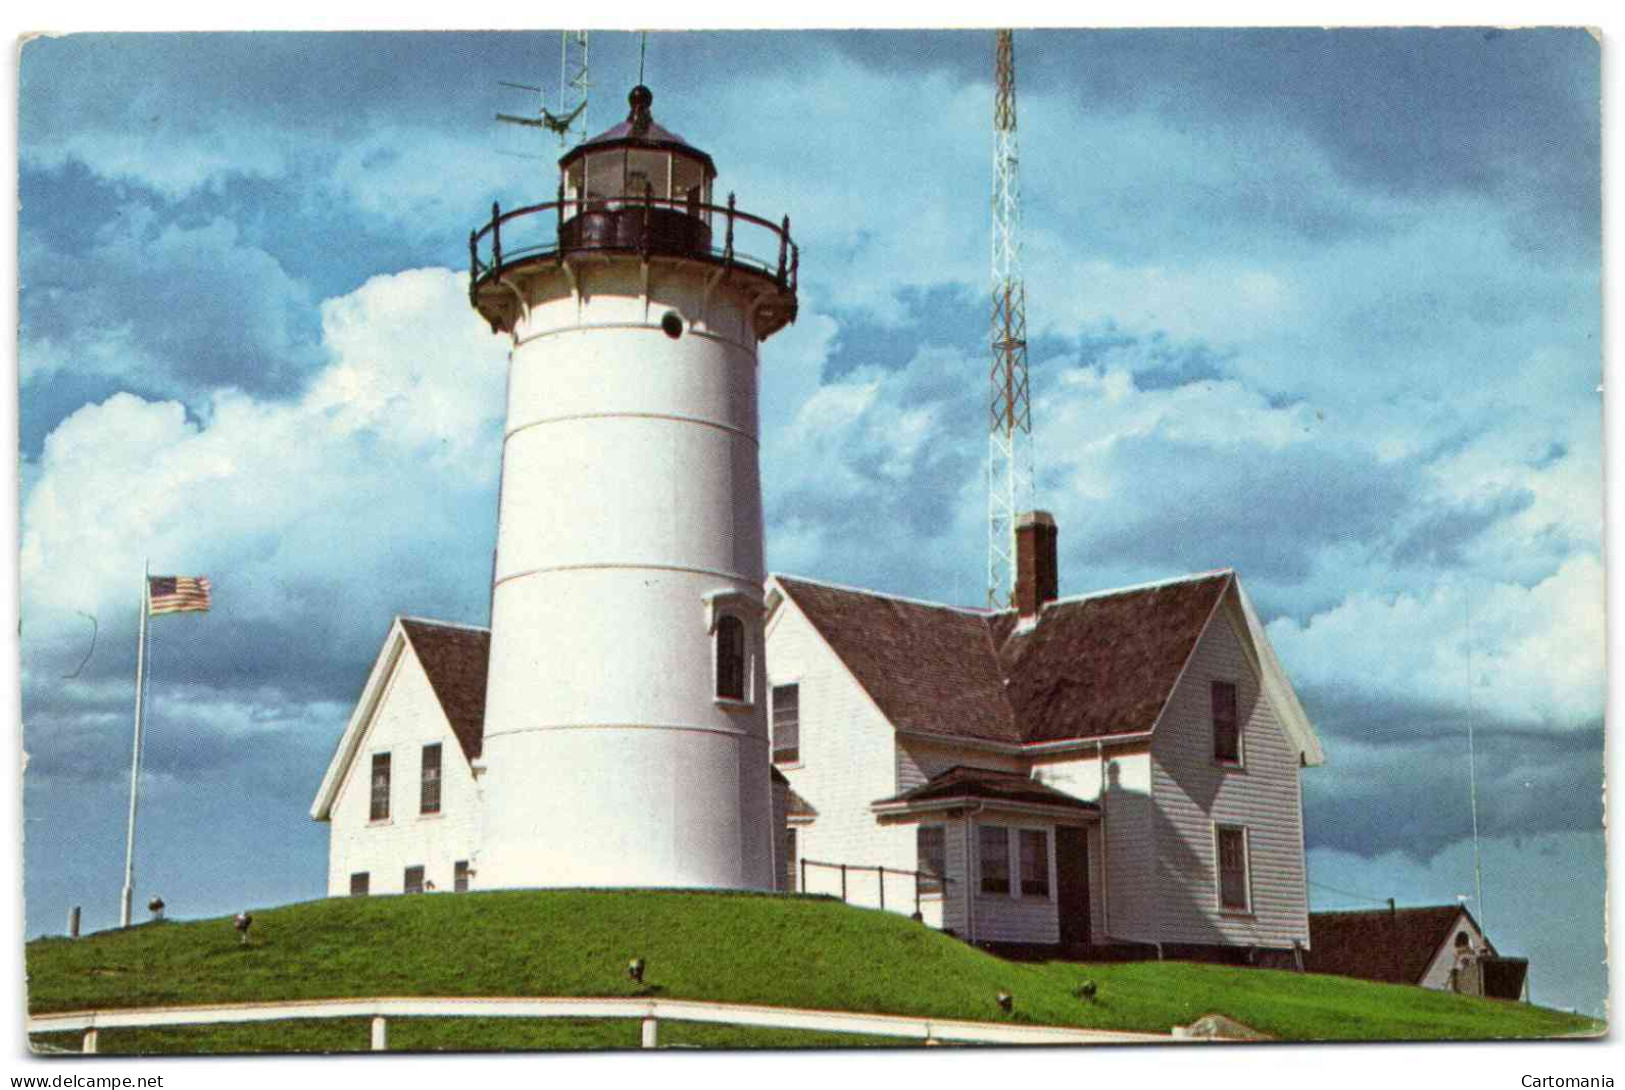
{"x":1072,"y":881}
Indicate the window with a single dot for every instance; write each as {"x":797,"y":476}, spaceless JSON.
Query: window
{"x":790,"y":859}
{"x":931,"y":856}
{"x":1233,"y":869}
{"x":459,"y":882}
{"x":359,"y":883}
{"x":730,"y":657}
{"x":994,"y":843}
{"x":787,"y":723}
{"x":1226,"y":724}
{"x":414,"y":879}
{"x":380,"y":786}
{"x":430,"y":792}
{"x":1034,"y":863}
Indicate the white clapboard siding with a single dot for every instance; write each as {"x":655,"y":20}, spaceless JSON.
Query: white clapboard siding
{"x":408,"y":716}
{"x":846,"y":764}
{"x":1192,"y":793}
{"x":918,"y":761}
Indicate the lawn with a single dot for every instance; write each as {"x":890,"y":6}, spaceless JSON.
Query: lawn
{"x":773,"y":949}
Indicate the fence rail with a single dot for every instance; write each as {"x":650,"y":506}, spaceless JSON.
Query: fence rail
{"x":932,"y":883}
{"x":649,"y":1011}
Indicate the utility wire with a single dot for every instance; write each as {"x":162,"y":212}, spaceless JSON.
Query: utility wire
{"x":1347,"y":893}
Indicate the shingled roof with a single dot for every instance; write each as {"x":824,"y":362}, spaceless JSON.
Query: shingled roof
{"x":1088,"y":667}
{"x":455,"y":658}
{"x":1393,"y":947}
{"x":989,"y":784}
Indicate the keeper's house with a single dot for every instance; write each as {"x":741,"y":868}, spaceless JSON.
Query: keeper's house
{"x":1116,"y":771}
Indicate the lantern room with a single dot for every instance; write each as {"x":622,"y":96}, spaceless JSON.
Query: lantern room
{"x":637,"y":185}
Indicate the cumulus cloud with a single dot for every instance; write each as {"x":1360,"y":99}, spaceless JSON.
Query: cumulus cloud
{"x":317,"y":518}
{"x":1536,"y":653}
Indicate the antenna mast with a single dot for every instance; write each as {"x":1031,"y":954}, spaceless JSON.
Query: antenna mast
{"x":1010,"y":430}
{"x":573,"y":86}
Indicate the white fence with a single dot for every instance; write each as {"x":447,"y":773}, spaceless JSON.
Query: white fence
{"x":649,"y":1011}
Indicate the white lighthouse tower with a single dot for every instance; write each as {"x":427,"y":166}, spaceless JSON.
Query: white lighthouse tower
{"x":625,"y":716}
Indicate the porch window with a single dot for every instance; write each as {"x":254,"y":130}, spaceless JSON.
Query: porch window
{"x":459,"y":881}
{"x":1232,"y":868}
{"x":359,"y":883}
{"x":786,"y":723}
{"x":730,"y":657}
{"x":429,"y":794}
{"x":994,"y":844}
{"x":1034,"y":863}
{"x":414,"y":879}
{"x":380,"y":787}
{"x":790,"y":858}
{"x":1226,"y":724}
{"x":931,"y":856}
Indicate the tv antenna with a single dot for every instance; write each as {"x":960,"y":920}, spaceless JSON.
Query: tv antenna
{"x":569,"y":121}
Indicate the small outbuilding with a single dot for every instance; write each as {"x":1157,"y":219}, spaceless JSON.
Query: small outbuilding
{"x":1440,"y":947}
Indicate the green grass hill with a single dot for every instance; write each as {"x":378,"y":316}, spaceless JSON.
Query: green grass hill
{"x":738,"y":947}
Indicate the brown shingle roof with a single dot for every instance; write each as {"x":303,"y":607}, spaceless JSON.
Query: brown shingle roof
{"x":931,"y":669}
{"x":969,"y":782}
{"x":1391,"y":947}
{"x":455,"y":659}
{"x":1094,"y":666}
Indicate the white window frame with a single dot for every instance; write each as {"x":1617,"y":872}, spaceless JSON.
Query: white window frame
{"x":1212,"y":726}
{"x":1246,"y":869}
{"x":772,"y":732}
{"x":1012,"y":847}
{"x":942,"y":879}
{"x":1048,"y":833}
{"x":439,"y":779}
{"x":389,"y":796}
{"x":748,"y":611}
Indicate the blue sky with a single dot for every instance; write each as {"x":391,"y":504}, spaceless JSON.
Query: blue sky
{"x":1322,"y":306}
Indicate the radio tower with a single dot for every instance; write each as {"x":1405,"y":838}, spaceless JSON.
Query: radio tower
{"x":1010,"y":424}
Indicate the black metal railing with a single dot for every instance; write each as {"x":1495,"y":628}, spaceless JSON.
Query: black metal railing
{"x":643,"y":225}
{"x":924,"y":881}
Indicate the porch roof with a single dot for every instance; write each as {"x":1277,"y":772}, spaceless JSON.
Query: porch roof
{"x":969,"y":784}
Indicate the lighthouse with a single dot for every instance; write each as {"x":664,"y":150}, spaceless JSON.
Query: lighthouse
{"x":625,"y":736}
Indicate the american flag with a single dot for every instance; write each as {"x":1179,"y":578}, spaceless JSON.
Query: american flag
{"x":176,"y":594}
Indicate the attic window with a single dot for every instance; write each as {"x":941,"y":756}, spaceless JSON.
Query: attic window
{"x":429,"y":792}
{"x":380,"y":788}
{"x":1226,"y":724}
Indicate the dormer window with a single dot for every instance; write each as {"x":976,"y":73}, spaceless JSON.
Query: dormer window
{"x":730,"y":657}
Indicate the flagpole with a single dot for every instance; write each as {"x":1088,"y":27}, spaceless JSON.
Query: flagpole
{"x":135,"y":756}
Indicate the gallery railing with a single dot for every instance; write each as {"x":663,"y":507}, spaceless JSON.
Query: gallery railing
{"x":647,"y":226}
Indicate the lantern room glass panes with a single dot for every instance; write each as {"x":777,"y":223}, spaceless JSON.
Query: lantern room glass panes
{"x":608,"y":179}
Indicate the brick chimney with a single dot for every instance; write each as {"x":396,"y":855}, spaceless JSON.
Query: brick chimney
{"x":1037,"y":577}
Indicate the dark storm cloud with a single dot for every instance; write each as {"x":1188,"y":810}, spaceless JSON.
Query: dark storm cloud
{"x":1193,"y":496}
{"x":1410,"y":792}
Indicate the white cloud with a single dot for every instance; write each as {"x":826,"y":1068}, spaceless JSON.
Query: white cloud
{"x":1537,"y":653}
{"x":281,"y":502}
